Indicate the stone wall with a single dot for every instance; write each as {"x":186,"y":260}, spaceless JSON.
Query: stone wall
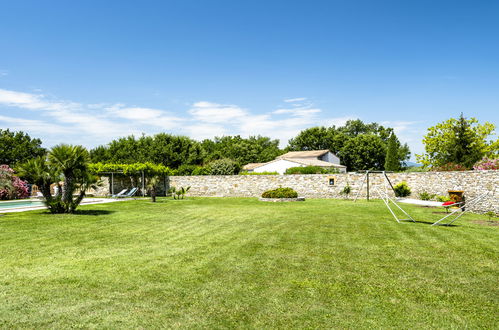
{"x":473,"y":183}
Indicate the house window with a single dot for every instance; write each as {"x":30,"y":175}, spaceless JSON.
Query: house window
{"x":331,"y":181}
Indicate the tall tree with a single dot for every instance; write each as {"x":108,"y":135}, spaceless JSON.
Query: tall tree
{"x":17,"y":147}
{"x":460,"y":141}
{"x":392,"y":162}
{"x":364,"y":152}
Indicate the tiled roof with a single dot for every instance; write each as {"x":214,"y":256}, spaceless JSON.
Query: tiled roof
{"x":304,"y":154}
{"x":251,"y":166}
{"x":313,"y":162}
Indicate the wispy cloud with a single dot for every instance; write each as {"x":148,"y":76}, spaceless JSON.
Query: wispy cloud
{"x":296,"y":99}
{"x":3,"y":73}
{"x":33,"y":125}
{"x":297,"y":112}
{"x":97,"y":123}
{"x":209,"y":112}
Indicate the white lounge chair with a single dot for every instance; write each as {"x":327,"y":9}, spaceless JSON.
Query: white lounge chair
{"x":121,"y":193}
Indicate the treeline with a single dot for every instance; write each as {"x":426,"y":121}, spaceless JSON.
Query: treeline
{"x":187,"y":155}
{"x":456,"y":144}
{"x":360,"y":146}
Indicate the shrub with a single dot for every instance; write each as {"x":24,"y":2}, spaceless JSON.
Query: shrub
{"x":11,"y":186}
{"x":402,"y":189}
{"x":426,"y":196}
{"x":449,"y":167}
{"x":184,"y":170}
{"x":490,"y":214}
{"x":178,"y":193}
{"x":200,"y":170}
{"x":280,"y":193}
{"x":486,"y":164}
{"x":310,"y":170}
{"x":443,"y":199}
{"x":259,"y":173}
{"x":224,"y":167}
{"x":346,"y":190}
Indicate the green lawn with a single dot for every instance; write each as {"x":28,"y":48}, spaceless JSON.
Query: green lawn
{"x":241,"y":263}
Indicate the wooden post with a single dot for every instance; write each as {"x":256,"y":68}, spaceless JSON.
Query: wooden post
{"x":143,"y":186}
{"x":367,"y":179}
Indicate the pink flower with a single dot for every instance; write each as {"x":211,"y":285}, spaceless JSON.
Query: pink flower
{"x":486,"y":164}
{"x":20,"y":187}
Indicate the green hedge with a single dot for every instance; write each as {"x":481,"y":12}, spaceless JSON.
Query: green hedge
{"x":310,"y":170}
{"x":280,"y":193}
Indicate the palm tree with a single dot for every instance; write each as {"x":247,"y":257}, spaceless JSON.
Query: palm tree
{"x":64,"y":162}
{"x":152,"y":183}
{"x":39,"y":172}
{"x":72,"y":162}
{"x":85,"y":182}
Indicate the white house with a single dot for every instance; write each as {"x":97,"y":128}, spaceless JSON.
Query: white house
{"x":321,"y":158}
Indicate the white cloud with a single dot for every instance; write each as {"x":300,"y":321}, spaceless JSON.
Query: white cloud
{"x":33,"y":125}
{"x":216,"y":113}
{"x":297,"y":99}
{"x":202,"y":131}
{"x":3,"y":73}
{"x":399,"y":126}
{"x":97,"y":123}
{"x":297,"y":112}
{"x":338,"y":121}
{"x":146,"y":116}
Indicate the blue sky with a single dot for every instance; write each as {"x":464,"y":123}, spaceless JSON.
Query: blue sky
{"x":89,"y":71}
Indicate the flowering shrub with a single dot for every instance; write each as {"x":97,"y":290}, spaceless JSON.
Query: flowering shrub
{"x":11,"y":187}
{"x":449,"y":167}
{"x":486,"y":164}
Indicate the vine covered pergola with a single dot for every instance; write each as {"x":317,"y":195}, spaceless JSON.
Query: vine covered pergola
{"x":144,"y":170}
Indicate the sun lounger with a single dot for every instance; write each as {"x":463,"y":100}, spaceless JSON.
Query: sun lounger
{"x":120,"y":193}
{"x":129,"y":194}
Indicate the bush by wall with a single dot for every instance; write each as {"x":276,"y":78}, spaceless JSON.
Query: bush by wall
{"x":200,"y":170}
{"x":402,"y":189}
{"x":449,"y":167}
{"x":426,"y":196}
{"x":280,"y":193}
{"x":186,"y":170}
{"x":224,"y":167}
{"x":310,"y":170}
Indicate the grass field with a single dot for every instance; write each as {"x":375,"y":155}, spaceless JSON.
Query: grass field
{"x":241,"y":263}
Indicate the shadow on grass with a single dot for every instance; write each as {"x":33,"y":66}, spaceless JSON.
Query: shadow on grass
{"x":432,"y":222}
{"x":93,"y":212}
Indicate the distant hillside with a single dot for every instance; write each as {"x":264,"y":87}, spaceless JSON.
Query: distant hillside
{"x":412,"y":164}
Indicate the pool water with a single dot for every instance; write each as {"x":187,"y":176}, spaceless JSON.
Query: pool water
{"x":18,"y":204}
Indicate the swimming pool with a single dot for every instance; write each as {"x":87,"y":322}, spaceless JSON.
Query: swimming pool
{"x":9,"y":205}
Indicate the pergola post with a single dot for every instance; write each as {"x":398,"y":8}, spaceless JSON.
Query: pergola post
{"x":143,"y":186}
